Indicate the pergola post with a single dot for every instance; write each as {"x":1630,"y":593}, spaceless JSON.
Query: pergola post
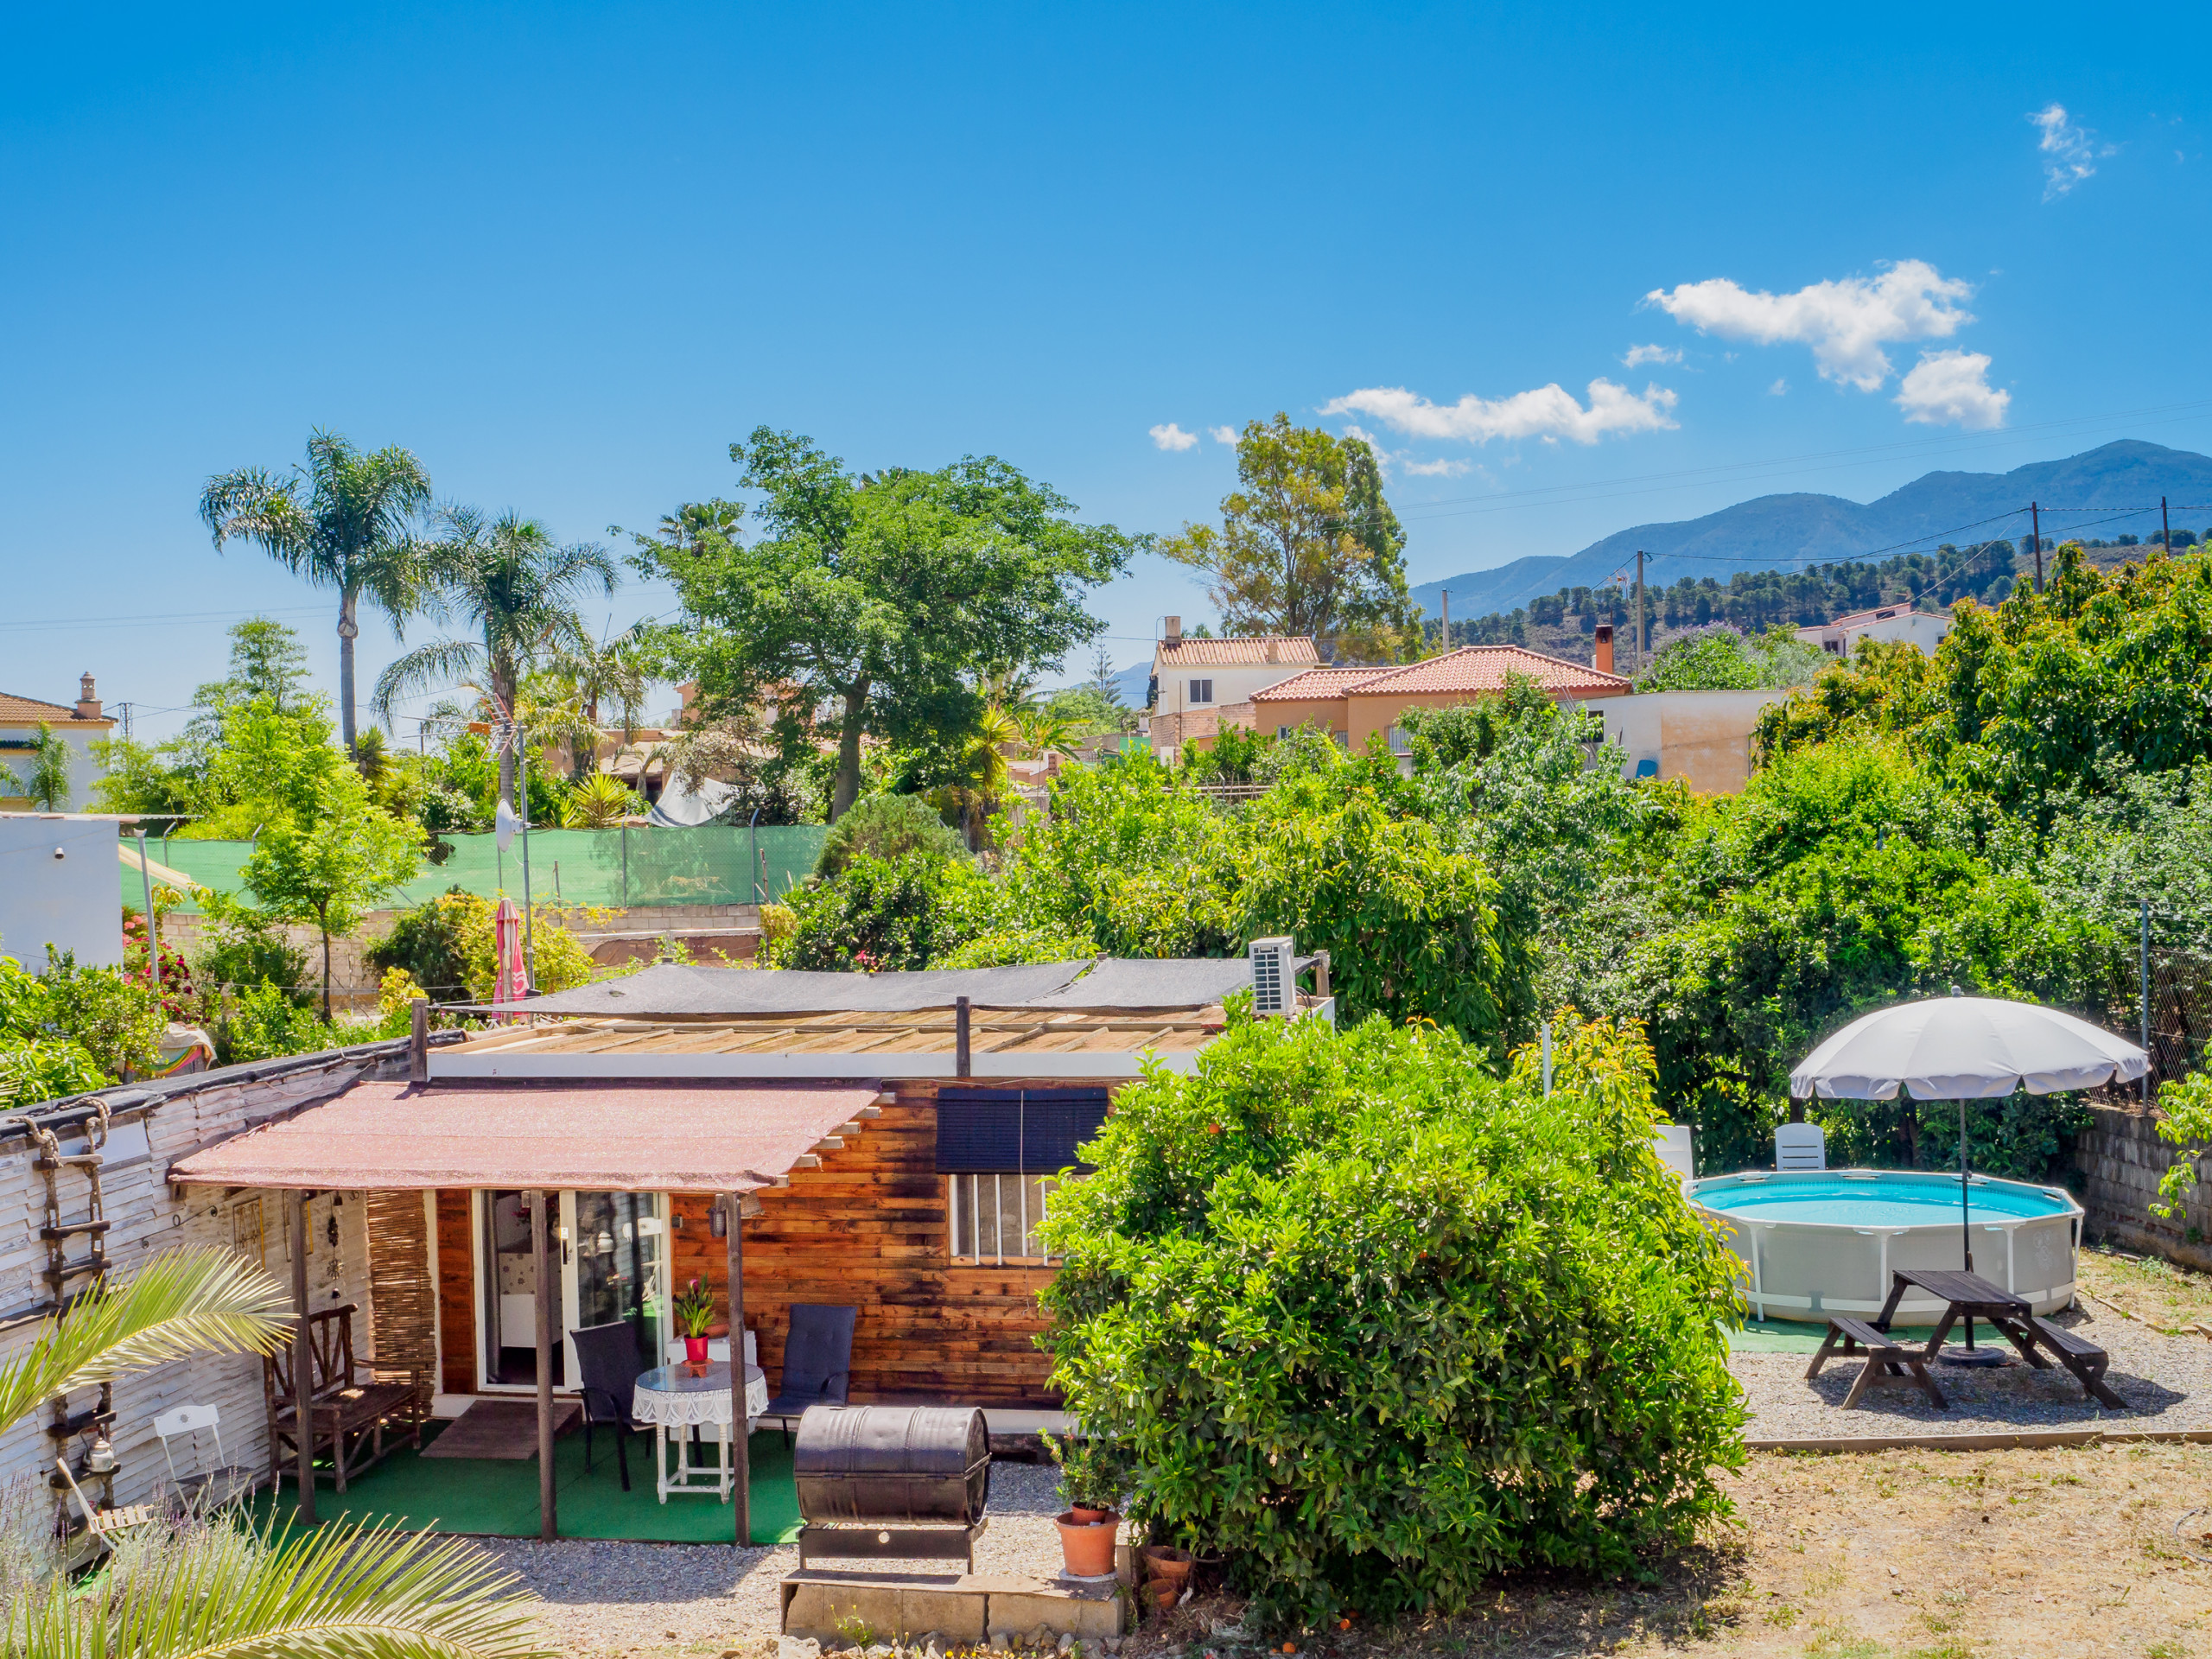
{"x":302,"y":1360}
{"x":541,"y":1238}
{"x":741,"y":1452}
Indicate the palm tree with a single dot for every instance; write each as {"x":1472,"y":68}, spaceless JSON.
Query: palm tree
{"x":46,"y":785}
{"x":611,"y":670}
{"x":341,"y":522}
{"x":517,"y":588}
{"x":200,"y":1589}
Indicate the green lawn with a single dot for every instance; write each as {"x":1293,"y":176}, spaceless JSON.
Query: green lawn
{"x":499,"y":1496}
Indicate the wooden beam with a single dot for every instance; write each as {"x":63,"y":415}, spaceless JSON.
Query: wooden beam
{"x":302,"y":1362}
{"x":541,"y":1238}
{"x":741,"y":1454}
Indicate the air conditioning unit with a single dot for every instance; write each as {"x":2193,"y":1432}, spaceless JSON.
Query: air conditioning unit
{"x":1274,"y":977}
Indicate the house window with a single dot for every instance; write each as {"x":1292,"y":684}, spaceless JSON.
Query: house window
{"x":1401,"y":741}
{"x":1201,"y":691}
{"x":1282,"y":731}
{"x":995,"y":1216}
{"x":1001,"y":1152}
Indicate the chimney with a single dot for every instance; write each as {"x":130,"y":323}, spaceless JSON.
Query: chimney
{"x":1602,"y":657}
{"x":1175,"y":631}
{"x":88,"y":705}
{"x":1275,"y":650}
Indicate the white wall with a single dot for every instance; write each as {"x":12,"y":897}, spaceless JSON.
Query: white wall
{"x":74,"y":901}
{"x":1702,"y":737}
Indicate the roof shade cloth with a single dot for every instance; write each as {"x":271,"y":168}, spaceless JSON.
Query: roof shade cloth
{"x":1965,"y":1048}
{"x":692,"y":1137}
{"x":671,"y":991}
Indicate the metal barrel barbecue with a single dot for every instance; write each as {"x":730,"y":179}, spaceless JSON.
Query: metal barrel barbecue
{"x":891,"y":1483}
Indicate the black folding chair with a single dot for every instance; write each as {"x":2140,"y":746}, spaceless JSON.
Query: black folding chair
{"x":607,"y":1357}
{"x":817,"y":1362}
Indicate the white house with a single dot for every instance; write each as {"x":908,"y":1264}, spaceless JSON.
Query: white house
{"x":1889,"y":622}
{"x":78,"y":728}
{"x":1193,"y":679}
{"x":58,"y":887}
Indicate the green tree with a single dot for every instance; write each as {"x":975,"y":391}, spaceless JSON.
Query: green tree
{"x":339,"y":522}
{"x":883,"y":596}
{"x":45,"y":781}
{"x":889,"y":827}
{"x":518,"y":590}
{"x":328,"y":854}
{"x":1306,"y":544}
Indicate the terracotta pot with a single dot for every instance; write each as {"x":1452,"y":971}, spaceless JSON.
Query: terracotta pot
{"x":1166,"y":1572}
{"x":1087,"y":1516}
{"x":1087,"y":1547}
{"x":694,"y":1350}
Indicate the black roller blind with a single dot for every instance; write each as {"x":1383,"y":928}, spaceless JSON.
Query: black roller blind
{"x":1009,"y":1131}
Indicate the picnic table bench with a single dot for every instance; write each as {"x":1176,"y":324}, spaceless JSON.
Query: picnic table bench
{"x":1887,"y":1359}
{"x":1966,"y":1296}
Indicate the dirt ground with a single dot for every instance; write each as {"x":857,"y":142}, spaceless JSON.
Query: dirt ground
{"x":2164,"y":1296}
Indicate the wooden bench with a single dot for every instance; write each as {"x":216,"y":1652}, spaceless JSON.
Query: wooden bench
{"x":2080,"y":1356}
{"x":1887,"y":1359}
{"x":350,"y":1406}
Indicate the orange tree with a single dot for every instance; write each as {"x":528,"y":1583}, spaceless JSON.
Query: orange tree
{"x":1372,"y":1323}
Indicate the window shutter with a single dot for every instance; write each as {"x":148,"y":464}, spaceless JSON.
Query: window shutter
{"x":1009,"y":1130}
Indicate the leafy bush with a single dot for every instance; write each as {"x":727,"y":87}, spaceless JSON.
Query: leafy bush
{"x":427,"y":944}
{"x":264,"y":1023}
{"x":1374,"y":1325}
{"x":889,"y":827}
{"x":243,"y":949}
{"x":885,"y":916}
{"x":1725,"y":660}
{"x":32,"y":1071}
{"x":118,"y":1022}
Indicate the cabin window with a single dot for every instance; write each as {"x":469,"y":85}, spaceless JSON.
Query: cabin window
{"x":1003,"y":1152}
{"x":995,"y":1216}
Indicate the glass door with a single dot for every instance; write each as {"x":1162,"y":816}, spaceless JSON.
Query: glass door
{"x":615,"y":1248}
{"x":612,"y":1258}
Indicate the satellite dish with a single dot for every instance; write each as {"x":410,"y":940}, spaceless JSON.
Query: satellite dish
{"x":504,"y":825}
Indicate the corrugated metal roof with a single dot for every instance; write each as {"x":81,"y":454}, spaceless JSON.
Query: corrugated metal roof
{"x":1290,"y":650}
{"x":590,"y":1136}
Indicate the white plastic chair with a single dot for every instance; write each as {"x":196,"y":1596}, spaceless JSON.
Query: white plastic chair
{"x":1799,"y":1145}
{"x":221,"y":1482}
{"x":717,"y":1351}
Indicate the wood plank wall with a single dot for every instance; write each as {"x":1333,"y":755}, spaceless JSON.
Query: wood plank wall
{"x":456,"y":1294}
{"x":870,"y":1227}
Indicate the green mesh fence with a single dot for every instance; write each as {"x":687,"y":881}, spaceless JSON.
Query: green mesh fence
{"x":626,"y":867}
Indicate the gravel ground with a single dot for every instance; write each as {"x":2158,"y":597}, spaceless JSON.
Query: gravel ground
{"x":607,"y":1598}
{"x":2166,"y":1380}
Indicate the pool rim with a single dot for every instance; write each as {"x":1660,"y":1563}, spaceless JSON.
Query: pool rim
{"x":2071,"y":1206}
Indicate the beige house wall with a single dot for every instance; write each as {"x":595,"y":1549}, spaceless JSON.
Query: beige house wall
{"x":1322,"y":713}
{"x":1704,"y":738}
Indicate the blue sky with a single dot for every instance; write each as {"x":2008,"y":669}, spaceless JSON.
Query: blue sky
{"x":567,"y":254}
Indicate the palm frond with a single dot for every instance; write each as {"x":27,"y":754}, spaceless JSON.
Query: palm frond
{"x":253,"y":505}
{"x":182,"y":1302}
{"x":342,"y":1592}
{"x":439,"y":663}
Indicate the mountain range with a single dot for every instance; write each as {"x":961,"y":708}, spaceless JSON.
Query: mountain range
{"x":1790,"y":531}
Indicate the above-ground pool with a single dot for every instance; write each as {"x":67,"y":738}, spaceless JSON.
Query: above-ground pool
{"x":1824,"y":1241}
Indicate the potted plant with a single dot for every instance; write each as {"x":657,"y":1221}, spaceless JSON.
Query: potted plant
{"x":1089,"y":1527}
{"x":694,"y":1308}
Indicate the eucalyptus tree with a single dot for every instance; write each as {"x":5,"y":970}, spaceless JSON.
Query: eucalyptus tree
{"x":518,"y":589}
{"x":341,"y":521}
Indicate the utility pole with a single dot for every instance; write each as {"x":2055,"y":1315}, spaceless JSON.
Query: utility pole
{"x":1640,"y":640}
{"x":1447,"y":619}
{"x":2165,"y":530}
{"x":2035,"y":535}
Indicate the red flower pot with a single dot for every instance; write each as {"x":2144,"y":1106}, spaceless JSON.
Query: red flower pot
{"x":694,"y":1350}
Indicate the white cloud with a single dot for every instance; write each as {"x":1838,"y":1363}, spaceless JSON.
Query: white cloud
{"x":2070,"y":153}
{"x":1846,"y":322}
{"x":1171,"y":437}
{"x":1223,"y":435}
{"x":1548,"y":412}
{"x":1444,"y":468}
{"x":1638,"y":354}
{"x":1953,"y":389}
{"x":1780,"y":388}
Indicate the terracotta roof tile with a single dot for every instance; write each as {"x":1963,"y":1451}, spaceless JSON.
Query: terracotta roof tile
{"x":1290,"y":650}
{"x":1475,"y":669}
{"x":1318,"y":683}
{"x":24,"y":711}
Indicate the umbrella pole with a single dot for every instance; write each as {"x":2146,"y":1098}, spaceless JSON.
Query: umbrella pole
{"x":1966,"y":1234}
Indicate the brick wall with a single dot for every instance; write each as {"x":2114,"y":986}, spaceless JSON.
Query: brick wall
{"x":2121,"y":1159}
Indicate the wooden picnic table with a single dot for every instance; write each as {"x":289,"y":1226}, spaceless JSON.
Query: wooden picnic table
{"x":1968,"y":1296}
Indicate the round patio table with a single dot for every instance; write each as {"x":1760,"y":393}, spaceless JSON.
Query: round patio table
{"x":682,"y":1397}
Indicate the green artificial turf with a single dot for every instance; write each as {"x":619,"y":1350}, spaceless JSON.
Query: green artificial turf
{"x":499,"y":1496}
{"x":1797,"y":1337}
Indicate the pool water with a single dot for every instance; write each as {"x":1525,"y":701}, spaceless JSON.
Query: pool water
{"x":1899,"y":1200}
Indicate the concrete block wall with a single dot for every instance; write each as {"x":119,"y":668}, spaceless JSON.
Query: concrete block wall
{"x":180,"y":1117}
{"x":2121,"y":1159}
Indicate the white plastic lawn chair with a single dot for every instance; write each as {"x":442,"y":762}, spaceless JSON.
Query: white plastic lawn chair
{"x":223,"y":1483}
{"x":1799,"y":1145}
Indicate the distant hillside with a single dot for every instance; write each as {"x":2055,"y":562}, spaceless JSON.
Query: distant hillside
{"x":1783,"y":532}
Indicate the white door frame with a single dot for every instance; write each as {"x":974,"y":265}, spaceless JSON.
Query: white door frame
{"x":564,"y":1231}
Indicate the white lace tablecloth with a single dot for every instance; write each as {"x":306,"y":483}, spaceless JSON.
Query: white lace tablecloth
{"x":677,"y":1397}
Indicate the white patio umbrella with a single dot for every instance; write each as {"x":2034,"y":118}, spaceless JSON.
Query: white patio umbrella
{"x":1962,"y":1048}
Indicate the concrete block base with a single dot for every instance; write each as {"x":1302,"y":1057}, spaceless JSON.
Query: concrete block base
{"x":965,"y":1607}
